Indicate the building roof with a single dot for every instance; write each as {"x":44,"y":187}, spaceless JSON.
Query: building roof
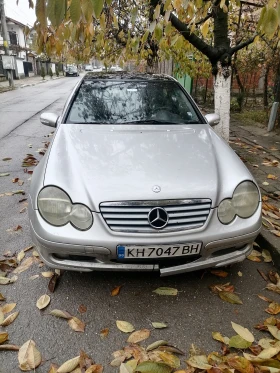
{"x":8,"y":19}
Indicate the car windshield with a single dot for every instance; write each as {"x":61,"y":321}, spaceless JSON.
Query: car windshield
{"x":125,"y":102}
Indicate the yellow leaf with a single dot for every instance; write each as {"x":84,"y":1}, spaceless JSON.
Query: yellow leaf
{"x":20,"y":256}
{"x":69,"y":365}
{"x":268,"y":353}
{"x":8,"y":307}
{"x":240,"y":364}
{"x":166,"y":291}
{"x":159,"y":325}
{"x":139,"y":336}
{"x":125,"y":326}
{"x":218,"y":337}
{"x":153,"y":367}
{"x":199,"y":361}
{"x":116,"y":291}
{"x":61,"y":314}
{"x":205,"y":28}
{"x":11,"y":318}
{"x":47,"y":274}
{"x":75,"y":11}
{"x":76,"y":324}
{"x":230,"y":297}
{"x":243,"y":332}
{"x":28,"y":356}
{"x":3,"y":337}
{"x":274,"y":331}
{"x":104,"y":333}
{"x":170,"y":359}
{"x":43,"y":301}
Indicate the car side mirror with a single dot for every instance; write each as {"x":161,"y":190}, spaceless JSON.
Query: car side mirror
{"x":212,"y":119}
{"x":49,"y":119}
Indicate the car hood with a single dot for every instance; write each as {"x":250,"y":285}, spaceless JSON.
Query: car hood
{"x":101,"y":163}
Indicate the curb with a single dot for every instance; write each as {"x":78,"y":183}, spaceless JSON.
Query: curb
{"x":28,"y":85}
{"x":267,"y":241}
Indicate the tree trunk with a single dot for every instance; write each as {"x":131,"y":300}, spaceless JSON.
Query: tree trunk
{"x":222,"y":83}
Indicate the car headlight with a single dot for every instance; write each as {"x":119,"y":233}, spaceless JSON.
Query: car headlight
{"x":56,"y":208}
{"x":244,"y":203}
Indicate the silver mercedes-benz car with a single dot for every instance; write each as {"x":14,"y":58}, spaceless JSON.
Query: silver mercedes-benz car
{"x":136,"y":179}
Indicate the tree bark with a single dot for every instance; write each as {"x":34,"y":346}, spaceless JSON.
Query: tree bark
{"x":265,"y":91}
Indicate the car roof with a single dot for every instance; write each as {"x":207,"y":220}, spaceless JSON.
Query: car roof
{"x":118,"y":75}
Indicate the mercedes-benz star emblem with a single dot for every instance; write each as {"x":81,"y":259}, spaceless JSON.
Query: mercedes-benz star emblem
{"x":156,"y":188}
{"x":158,"y":218}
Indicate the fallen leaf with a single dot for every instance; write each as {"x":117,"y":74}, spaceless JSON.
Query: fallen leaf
{"x":268,"y":353}
{"x":35,"y":253}
{"x":172,"y":349}
{"x":47,"y":274}
{"x":138,"y":336}
{"x":5,"y":280}
{"x":85,"y":361}
{"x":273,"y":287}
{"x":76,"y":324}
{"x":28,"y":248}
{"x":263,"y":275}
{"x":125,"y":326}
{"x":170,"y":359}
{"x":218,"y":337}
{"x":69,"y":365}
{"x":82,"y":308}
{"x":53,"y":282}
{"x":166,"y":291}
{"x":117,"y":361}
{"x":241,"y":364}
{"x":3,"y":337}
{"x":264,"y":298}
{"x":104,"y":333}
{"x":6,"y":159}
{"x":34,"y":277}
{"x":243,"y":332}
{"x":274,"y":331}
{"x":124,"y":368}
{"x":266,"y":255}
{"x":222,"y":287}
{"x":61,"y":314}
{"x":24,"y":265}
{"x":116,"y":291}
{"x":53,"y":368}
{"x":9,"y":347}
{"x":272,"y":177}
{"x":20,"y":256}
{"x":199,"y":361}
{"x":238,"y":342}
{"x":219,"y":273}
{"x":28,"y":356}
{"x":159,"y":325}
{"x":43,"y":301}
{"x":11,"y":318}
{"x":153,"y":367}
{"x":265,"y":183}
{"x":7,"y":308}
{"x":3,"y":175}
{"x":230,"y":297}
{"x":156,"y":344}
{"x":239,"y":274}
{"x":95,"y":368}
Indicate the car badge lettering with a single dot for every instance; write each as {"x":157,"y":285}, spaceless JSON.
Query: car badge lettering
{"x":156,"y":188}
{"x":158,"y":218}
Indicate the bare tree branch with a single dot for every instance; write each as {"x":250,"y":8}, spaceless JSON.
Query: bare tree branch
{"x":243,"y":45}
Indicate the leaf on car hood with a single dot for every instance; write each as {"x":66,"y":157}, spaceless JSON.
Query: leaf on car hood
{"x":230,"y":297}
{"x":43,"y":301}
{"x":11,"y":318}
{"x":61,"y":314}
{"x":69,"y":365}
{"x":125,"y":326}
{"x":138,"y":336}
{"x":165,"y":291}
{"x":243,"y":332}
{"x":28,"y":356}
{"x":116,"y":291}
{"x":199,"y":361}
{"x":153,"y":367}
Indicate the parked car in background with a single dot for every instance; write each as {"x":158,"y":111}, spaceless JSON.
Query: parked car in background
{"x":72,"y":71}
{"x":88,"y":68}
{"x":136,"y":179}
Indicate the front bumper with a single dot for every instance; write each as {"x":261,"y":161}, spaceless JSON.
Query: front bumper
{"x":95,"y":249}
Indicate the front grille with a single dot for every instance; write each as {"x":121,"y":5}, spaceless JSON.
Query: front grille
{"x":132,"y":216}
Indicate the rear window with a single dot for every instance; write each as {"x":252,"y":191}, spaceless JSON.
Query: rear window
{"x":124,"y":102}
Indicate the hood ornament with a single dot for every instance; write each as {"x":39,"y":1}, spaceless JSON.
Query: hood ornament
{"x":156,"y":188}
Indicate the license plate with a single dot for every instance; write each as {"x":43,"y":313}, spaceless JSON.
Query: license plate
{"x":158,"y":251}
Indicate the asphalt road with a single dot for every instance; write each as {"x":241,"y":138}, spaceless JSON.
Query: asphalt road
{"x":192,"y":315}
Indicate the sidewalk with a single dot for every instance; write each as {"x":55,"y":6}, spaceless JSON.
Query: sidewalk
{"x":26,"y":82}
{"x":260,"y":151}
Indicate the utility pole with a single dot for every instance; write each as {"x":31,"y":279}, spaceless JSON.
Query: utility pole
{"x":6,"y":42}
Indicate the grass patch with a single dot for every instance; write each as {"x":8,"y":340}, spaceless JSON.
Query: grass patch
{"x":252,"y":116}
